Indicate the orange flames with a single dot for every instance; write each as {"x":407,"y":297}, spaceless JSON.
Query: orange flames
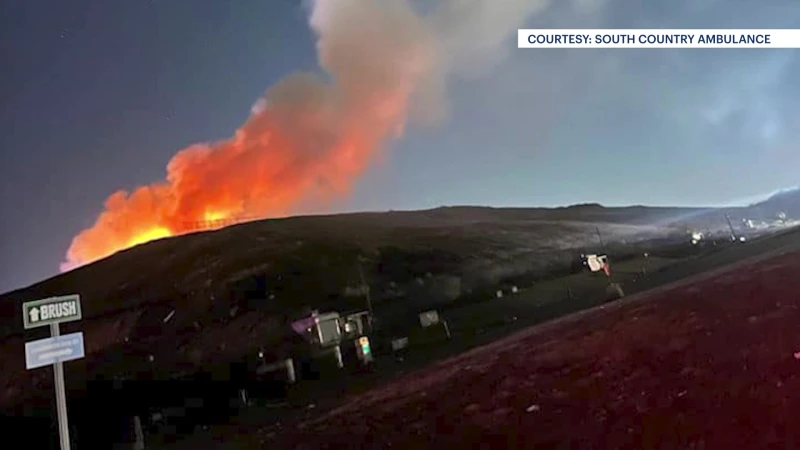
{"x":306,"y":140}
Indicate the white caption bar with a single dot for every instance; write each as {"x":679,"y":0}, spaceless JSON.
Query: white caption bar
{"x":679,"y":38}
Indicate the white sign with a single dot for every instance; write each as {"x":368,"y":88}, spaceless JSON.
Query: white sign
{"x":658,"y":38}
{"x":428,"y":318}
{"x":596,"y":262}
{"x":400,"y":343}
{"x":48,"y":351}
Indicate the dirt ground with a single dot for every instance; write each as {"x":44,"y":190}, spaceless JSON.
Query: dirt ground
{"x":652,"y":371}
{"x":712,"y":364}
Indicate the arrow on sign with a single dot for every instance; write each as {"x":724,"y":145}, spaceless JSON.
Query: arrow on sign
{"x":47,"y":311}
{"x":34,"y":313}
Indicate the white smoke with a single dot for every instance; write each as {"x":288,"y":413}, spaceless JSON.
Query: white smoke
{"x":460,"y":39}
{"x":310,"y":137}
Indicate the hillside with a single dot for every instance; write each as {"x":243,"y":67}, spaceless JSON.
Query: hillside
{"x":238,"y":285}
{"x":709,"y":363}
{"x":233,"y":290}
{"x":787,"y":201}
{"x":465,"y":239}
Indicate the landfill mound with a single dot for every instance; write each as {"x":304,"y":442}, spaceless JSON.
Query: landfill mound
{"x":710,"y":364}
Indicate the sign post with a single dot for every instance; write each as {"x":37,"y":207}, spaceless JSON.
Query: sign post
{"x":61,"y":394}
{"x":56,"y":349}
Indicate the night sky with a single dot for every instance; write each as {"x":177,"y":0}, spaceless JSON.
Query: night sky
{"x":98,"y":95}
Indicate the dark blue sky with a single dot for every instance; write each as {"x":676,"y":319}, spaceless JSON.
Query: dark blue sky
{"x":101,"y":94}
{"x":97,"y":96}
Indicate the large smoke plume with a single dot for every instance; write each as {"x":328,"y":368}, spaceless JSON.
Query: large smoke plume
{"x":309,"y":138}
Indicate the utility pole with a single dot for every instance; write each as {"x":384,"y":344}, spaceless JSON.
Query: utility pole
{"x":600,"y":238}
{"x":365,"y":286}
{"x":730,"y":225}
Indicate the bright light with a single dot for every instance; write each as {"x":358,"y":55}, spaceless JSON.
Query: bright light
{"x":211,"y":216}
{"x":149,"y":235}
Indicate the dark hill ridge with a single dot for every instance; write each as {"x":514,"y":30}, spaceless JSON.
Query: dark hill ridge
{"x":303,"y":262}
{"x":202,"y":261}
{"x":204,"y":264}
{"x":410,"y":259}
{"x":787,"y":201}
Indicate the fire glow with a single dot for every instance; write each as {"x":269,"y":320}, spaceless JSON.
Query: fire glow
{"x":306,"y":141}
{"x":308,"y":138}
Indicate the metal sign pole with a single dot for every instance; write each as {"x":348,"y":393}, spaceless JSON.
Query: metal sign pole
{"x":61,"y":395}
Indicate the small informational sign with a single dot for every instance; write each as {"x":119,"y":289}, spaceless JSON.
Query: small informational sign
{"x":44,"y":352}
{"x":429,"y":318}
{"x":597,"y":263}
{"x":51,"y":310}
{"x":329,"y":332}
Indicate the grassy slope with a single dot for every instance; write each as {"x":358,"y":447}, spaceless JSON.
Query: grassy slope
{"x":705,"y":363}
{"x":307,"y":262}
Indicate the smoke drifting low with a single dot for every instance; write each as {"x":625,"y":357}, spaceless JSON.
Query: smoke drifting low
{"x":309,"y":138}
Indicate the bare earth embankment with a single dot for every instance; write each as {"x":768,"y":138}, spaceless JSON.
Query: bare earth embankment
{"x":713,"y":364}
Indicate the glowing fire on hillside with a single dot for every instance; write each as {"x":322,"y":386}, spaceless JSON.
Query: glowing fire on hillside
{"x":305,"y":141}
{"x":309,"y":138}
